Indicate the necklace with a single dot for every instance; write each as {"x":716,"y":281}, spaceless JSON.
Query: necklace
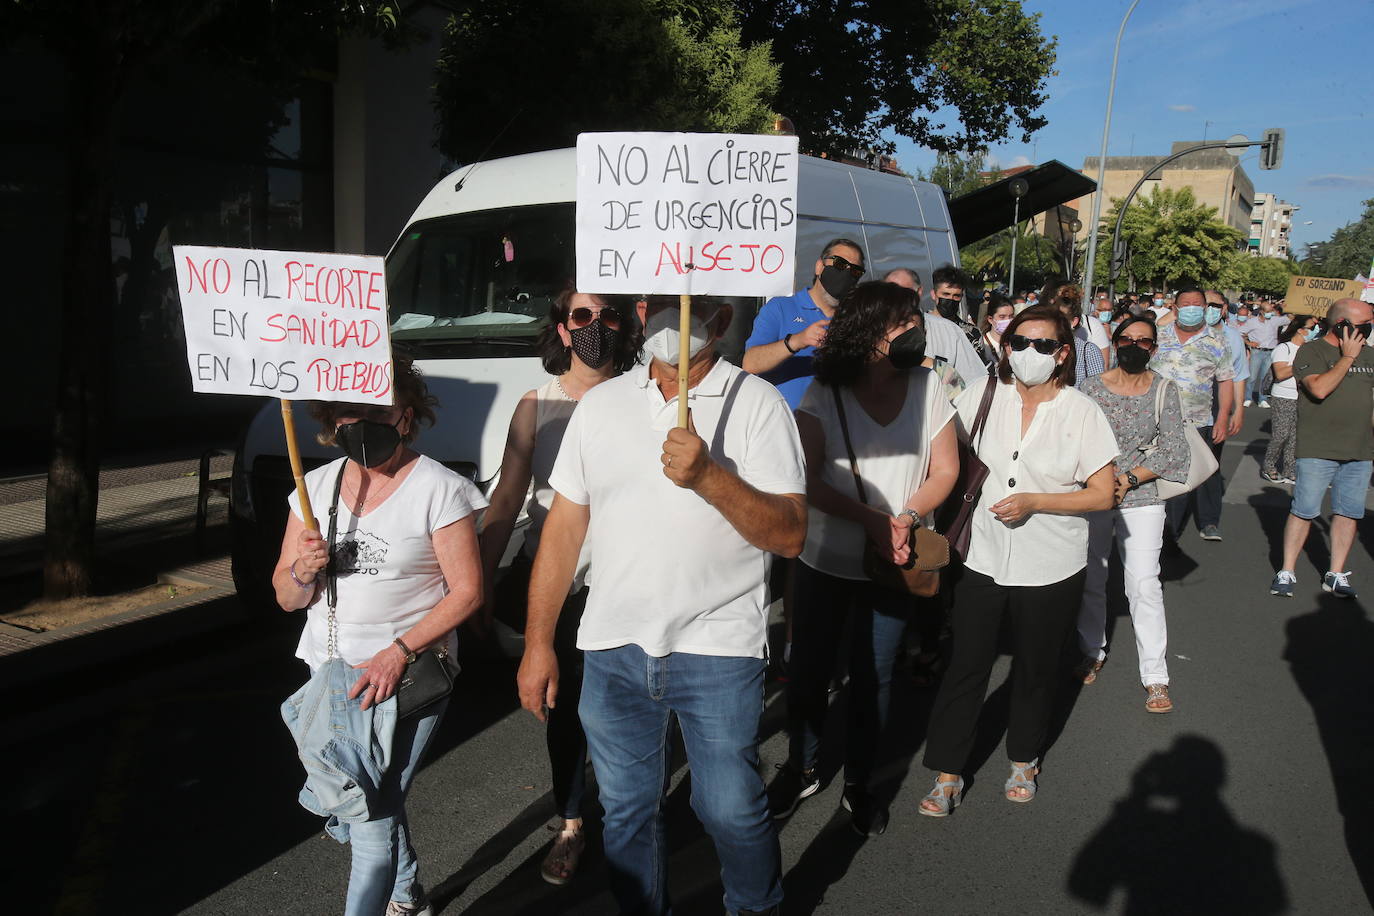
{"x":374,"y":495}
{"x":558,"y":382}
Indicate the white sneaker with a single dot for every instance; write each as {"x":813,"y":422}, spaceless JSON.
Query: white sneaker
{"x":1264,"y":403}
{"x":1246,"y":403}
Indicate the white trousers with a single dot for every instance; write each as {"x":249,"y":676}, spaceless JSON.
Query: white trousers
{"x":1140,"y":534}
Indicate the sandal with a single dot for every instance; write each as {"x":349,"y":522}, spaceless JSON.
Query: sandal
{"x":1086,"y":670}
{"x":1157,"y":698}
{"x":561,"y":862}
{"x":926,"y":668}
{"x":944,"y":803}
{"x":1022,"y":780}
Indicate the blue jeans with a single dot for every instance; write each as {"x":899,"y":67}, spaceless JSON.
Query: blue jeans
{"x":384,"y":864}
{"x":629,"y":700}
{"x":1260,"y":362}
{"x":877,"y":617}
{"x":1348,"y":480}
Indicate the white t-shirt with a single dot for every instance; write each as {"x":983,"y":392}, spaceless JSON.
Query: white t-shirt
{"x":1068,"y":441}
{"x":389,"y":576}
{"x":1096,"y":332}
{"x":1288,"y":388}
{"x":553,"y":409}
{"x":892,"y":460}
{"x":672,"y":575}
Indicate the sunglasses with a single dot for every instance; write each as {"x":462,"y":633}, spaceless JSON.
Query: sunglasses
{"x":1044,"y":345}
{"x":1144,"y":343}
{"x":840,"y":263}
{"x":582,"y":316}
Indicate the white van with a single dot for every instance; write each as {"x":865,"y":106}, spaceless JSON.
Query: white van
{"x":470,"y":281}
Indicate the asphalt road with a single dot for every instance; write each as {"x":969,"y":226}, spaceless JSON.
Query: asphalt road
{"x":166,"y":783}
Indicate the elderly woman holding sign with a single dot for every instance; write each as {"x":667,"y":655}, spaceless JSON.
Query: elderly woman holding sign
{"x":396,"y":572}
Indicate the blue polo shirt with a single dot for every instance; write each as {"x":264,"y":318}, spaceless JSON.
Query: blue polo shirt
{"x":780,"y":316}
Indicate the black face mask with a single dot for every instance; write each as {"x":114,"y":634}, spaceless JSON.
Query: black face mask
{"x":594,"y":343}
{"x":908,"y":349}
{"x":1132,"y":359}
{"x":837,"y":281}
{"x":948,"y":308}
{"x":367,"y":442}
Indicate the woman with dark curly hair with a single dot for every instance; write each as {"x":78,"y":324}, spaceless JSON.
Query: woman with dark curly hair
{"x":870,"y":392}
{"x":588,"y":340}
{"x":401,"y":571}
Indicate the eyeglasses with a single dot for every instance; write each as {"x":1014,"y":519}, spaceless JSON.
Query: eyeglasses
{"x":840,"y":263}
{"x":1045,"y":345}
{"x":582,"y":316}
{"x":1144,"y":343}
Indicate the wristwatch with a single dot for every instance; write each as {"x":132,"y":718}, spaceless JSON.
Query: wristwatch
{"x":915,"y":519}
{"x":787,"y":342}
{"x":1133,"y":480}
{"x":409,"y":653}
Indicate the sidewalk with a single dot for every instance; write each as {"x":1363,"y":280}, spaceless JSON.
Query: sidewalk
{"x":145,"y":534}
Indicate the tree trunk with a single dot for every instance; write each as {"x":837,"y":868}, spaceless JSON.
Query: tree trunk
{"x":94,"y":89}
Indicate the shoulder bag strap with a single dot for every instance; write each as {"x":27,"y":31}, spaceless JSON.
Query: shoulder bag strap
{"x":849,"y":446}
{"x":331,"y":582}
{"x":981,"y":418}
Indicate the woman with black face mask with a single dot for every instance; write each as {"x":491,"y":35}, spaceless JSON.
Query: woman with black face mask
{"x":1152,"y":445}
{"x":588,"y":340}
{"x":391,"y":578}
{"x":871,"y":384}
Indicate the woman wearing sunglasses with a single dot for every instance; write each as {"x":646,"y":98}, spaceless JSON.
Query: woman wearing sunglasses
{"x":872,"y":394}
{"x":588,"y":340}
{"x":1049,"y":453}
{"x":1152,"y":446}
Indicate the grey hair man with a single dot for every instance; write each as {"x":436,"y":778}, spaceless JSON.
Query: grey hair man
{"x":944,"y":339}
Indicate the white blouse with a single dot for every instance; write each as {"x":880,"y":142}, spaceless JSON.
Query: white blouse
{"x":1068,"y":441}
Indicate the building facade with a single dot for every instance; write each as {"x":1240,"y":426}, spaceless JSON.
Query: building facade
{"x":1271,"y":225}
{"x":1216,"y":178}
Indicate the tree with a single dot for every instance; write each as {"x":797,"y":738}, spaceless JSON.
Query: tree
{"x":104,"y":45}
{"x":988,"y":260}
{"x":1268,"y":276}
{"x":531,"y":74}
{"x":949,"y":74}
{"x":959,"y":174}
{"x":1169,"y":237}
{"x":1349,"y":251}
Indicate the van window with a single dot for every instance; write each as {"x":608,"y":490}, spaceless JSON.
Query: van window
{"x":480,"y":284}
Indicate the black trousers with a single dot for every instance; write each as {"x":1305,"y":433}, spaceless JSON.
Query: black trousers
{"x":1041,"y":620}
{"x":1205,"y":501}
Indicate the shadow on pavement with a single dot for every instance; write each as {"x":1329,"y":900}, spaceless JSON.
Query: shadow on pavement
{"x":1329,"y":653}
{"x":1172,"y":846}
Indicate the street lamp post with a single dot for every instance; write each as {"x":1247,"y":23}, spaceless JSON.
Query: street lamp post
{"x":1017,"y":188}
{"x":1102,"y":157}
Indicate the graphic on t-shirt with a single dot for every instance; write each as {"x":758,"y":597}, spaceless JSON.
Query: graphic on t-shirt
{"x":360,"y":552}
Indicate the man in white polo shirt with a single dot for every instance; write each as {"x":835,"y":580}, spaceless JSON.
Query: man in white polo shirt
{"x":682,"y":523}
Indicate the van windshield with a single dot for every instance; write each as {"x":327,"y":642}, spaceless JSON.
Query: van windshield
{"x":480,"y":283}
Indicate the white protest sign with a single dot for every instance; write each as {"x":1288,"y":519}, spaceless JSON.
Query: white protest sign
{"x":285,"y":324}
{"x":694,"y":214}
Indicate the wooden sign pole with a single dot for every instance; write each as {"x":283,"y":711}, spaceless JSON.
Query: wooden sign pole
{"x":294,"y":453}
{"x":683,"y":357}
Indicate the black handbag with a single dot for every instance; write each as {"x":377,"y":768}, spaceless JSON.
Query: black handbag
{"x":426,"y":680}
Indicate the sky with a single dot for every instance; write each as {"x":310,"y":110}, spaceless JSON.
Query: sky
{"x":1195,"y":69}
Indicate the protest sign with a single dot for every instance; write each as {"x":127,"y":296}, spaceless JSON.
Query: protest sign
{"x":285,"y":324}
{"x":1367,"y":294}
{"x":686,"y":214}
{"x":1314,"y":295}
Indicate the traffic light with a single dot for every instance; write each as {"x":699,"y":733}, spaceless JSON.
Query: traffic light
{"x":1271,"y":153}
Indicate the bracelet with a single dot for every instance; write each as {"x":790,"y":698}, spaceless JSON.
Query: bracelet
{"x":915,"y":517}
{"x":787,"y":342}
{"x":406,"y":650}
{"x":296,"y":579}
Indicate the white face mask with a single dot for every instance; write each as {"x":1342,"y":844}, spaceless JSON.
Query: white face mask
{"x":661,"y":335}
{"x":1032,"y":367}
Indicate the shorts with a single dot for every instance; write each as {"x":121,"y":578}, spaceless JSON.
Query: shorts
{"x":1348,"y":480}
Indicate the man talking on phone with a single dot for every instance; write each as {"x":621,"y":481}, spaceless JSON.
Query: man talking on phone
{"x":1335,"y":448}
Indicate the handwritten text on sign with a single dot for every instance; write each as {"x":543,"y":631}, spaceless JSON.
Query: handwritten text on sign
{"x":710,"y":214}
{"x":285,"y":324}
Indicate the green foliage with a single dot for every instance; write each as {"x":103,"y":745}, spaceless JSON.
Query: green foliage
{"x":1268,"y":276}
{"x":538,"y":73}
{"x":949,"y":74}
{"x":958,"y":174}
{"x":1170,"y":238}
{"x":1348,"y":252}
{"x":988,"y":260}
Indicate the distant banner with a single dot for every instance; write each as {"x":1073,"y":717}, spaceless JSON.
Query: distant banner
{"x":1314,"y":295}
{"x":285,"y":324}
{"x":709,"y":214}
{"x":1368,"y":293}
